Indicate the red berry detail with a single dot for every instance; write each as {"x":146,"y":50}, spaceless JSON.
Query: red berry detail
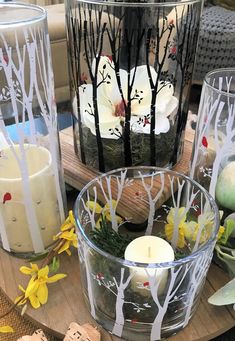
{"x":204,"y":142}
{"x":146,"y":284}
{"x":6,"y":197}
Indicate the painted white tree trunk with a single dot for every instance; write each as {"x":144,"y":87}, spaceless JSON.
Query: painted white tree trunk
{"x":88,"y":277}
{"x":119,"y":321}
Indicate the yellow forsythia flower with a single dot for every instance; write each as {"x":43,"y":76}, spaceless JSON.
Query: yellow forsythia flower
{"x":103,"y":211}
{"x":169,"y":227}
{"x":6,"y":329}
{"x":221,"y":232}
{"x":29,"y":271}
{"x":37,"y":291}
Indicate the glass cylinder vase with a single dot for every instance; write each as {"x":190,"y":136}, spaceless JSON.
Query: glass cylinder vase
{"x":130,"y":71}
{"x":32,"y":195}
{"x":146,"y":238}
{"x":213,"y":157}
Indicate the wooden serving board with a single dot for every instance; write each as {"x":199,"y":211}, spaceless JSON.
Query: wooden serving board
{"x":78,"y":175}
{"x":66,"y":304}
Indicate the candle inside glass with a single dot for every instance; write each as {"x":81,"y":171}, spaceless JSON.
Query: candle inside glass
{"x":149,"y":250}
{"x":42,"y":189}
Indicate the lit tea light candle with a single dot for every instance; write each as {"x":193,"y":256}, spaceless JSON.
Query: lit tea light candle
{"x":149,"y":250}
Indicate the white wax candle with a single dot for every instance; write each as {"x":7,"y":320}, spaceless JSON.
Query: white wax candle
{"x":149,"y":250}
{"x":43,"y":192}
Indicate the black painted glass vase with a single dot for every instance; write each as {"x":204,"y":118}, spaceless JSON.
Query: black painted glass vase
{"x":131,"y":65}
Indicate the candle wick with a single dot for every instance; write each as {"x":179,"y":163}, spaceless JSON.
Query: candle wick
{"x":149,"y":252}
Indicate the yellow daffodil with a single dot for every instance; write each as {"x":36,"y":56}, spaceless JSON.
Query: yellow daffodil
{"x":29,"y":271}
{"x":169,"y":227}
{"x":6,"y":329}
{"x":103,"y":211}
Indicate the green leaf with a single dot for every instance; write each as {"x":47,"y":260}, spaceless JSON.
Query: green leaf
{"x":225,"y":295}
{"x":55,"y":265}
{"x":229,"y":227}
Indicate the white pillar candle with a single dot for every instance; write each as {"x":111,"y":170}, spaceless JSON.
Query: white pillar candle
{"x":149,"y":250}
{"x":43,"y":192}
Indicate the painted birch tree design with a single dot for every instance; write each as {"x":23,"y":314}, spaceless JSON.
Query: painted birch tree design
{"x":214,"y":142}
{"x":198,"y":274}
{"x":171,"y":291}
{"x":27,"y":88}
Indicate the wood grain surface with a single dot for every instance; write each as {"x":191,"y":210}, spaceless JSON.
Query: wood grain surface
{"x":66,"y":302}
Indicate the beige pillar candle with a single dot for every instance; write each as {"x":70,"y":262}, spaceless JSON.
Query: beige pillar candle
{"x":18,"y":231}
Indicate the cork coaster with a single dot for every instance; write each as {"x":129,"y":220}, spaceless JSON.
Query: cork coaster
{"x":20,"y":324}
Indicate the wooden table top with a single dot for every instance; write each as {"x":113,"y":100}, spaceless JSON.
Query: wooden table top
{"x":66,"y":302}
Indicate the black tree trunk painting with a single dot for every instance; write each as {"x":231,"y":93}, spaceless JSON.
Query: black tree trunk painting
{"x":131,"y":67}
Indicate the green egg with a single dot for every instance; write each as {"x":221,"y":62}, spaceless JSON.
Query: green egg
{"x":225,"y":187}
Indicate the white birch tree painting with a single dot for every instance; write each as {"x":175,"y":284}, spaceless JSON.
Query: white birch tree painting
{"x":214,"y":141}
{"x":26,"y":80}
{"x":171,"y":291}
{"x":197,"y":274}
{"x":84,"y":257}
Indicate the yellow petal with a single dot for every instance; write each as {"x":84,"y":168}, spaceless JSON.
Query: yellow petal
{"x":94,"y":206}
{"x":64,"y":247}
{"x":42,"y":293}
{"x":71,"y":217}
{"x":98,"y":223}
{"x":21,"y":288}
{"x":6,"y":329}
{"x":56,"y":278}
{"x":68,"y":252}
{"x":34,"y":301}
{"x":31,"y":288}
{"x":43,"y":272}
{"x":29,"y":271}
{"x":114,"y":205}
{"x":19,"y":300}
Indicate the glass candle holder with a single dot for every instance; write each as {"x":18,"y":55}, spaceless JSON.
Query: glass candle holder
{"x":32,"y":196}
{"x":146,"y":239}
{"x":213,"y":157}
{"x":130,"y":71}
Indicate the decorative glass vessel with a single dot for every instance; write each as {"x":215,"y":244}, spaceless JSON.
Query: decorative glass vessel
{"x":32,"y":196}
{"x":146,"y":239}
{"x":130,"y":71}
{"x":213,"y":158}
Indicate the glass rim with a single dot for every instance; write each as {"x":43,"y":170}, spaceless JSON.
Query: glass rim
{"x":217,"y":71}
{"x":128,"y":263}
{"x":141,"y":4}
{"x":42,"y":13}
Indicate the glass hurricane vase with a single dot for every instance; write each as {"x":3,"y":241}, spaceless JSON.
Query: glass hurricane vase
{"x":130,"y":71}
{"x":213,"y":157}
{"x":146,"y":239}
{"x":32,"y":196}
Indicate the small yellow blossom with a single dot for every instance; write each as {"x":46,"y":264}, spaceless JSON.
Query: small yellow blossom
{"x":204,"y":223}
{"x":6,"y":329}
{"x":221,"y":232}
{"x":37,"y":291}
{"x":29,"y":271}
{"x":69,"y":222}
{"x":70,"y":238}
{"x":103,"y":211}
{"x":169,"y":227}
